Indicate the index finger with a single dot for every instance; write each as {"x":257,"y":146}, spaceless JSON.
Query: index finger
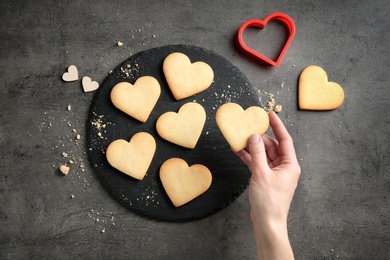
{"x":286,"y":146}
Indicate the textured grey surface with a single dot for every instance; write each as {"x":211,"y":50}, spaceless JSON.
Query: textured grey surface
{"x":341,"y":209}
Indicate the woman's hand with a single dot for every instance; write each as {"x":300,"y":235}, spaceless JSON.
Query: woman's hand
{"x":275,"y":173}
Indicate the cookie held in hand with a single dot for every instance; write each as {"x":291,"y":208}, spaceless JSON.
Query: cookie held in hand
{"x":237,"y":124}
{"x":316,"y":93}
{"x":183,"y":183}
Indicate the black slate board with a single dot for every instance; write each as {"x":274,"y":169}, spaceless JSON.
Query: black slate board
{"x":147,"y":197}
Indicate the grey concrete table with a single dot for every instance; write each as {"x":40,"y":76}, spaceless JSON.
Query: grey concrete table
{"x":341,"y":208}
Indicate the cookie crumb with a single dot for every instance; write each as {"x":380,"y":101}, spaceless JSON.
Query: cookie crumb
{"x":271,"y":103}
{"x":278,"y":108}
{"x":64,"y":169}
{"x":120,"y":44}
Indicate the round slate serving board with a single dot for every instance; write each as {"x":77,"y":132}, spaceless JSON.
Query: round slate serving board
{"x":148,"y":197}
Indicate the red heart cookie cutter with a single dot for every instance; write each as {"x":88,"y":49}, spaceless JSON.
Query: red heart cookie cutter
{"x":261,"y":24}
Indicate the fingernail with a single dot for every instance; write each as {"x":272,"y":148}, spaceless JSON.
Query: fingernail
{"x":254,"y":138}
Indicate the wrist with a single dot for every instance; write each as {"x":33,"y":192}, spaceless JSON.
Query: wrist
{"x":272,"y":228}
{"x":269,"y":219}
{"x":272,"y":238}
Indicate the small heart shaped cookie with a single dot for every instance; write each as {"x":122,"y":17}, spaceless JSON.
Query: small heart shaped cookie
{"x":185,"y":78}
{"x":316,"y":93}
{"x":182,"y":128}
{"x":132,"y":158}
{"x":136,"y":100}
{"x":183,"y":183}
{"x":238,"y":125}
{"x":71,"y":75}
{"x":89,"y":85}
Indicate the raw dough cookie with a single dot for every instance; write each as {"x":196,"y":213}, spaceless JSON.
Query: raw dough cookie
{"x":183,"y":183}
{"x":137,"y":100}
{"x":132,"y":158}
{"x":182,"y":128}
{"x":316,"y":93}
{"x":89,"y":85}
{"x":238,"y":125}
{"x":185,"y":78}
{"x":71,"y":75}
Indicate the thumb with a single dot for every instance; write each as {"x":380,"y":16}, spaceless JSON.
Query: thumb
{"x":258,"y":154}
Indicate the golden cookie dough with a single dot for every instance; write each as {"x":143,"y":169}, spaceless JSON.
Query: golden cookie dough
{"x":316,"y":93}
{"x":184,"y":78}
{"x":136,"y":100}
{"x":134,"y":157}
{"x":183,"y":183}
{"x":237,"y":124}
{"x":184,"y":127}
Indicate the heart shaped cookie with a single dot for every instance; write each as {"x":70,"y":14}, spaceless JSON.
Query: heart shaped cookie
{"x":182,"y":128}
{"x":89,"y":85}
{"x":132,"y":158}
{"x":136,"y":100}
{"x":185,"y":78}
{"x":237,"y":124}
{"x":316,"y":93}
{"x":183,"y":183}
{"x":71,"y":75}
